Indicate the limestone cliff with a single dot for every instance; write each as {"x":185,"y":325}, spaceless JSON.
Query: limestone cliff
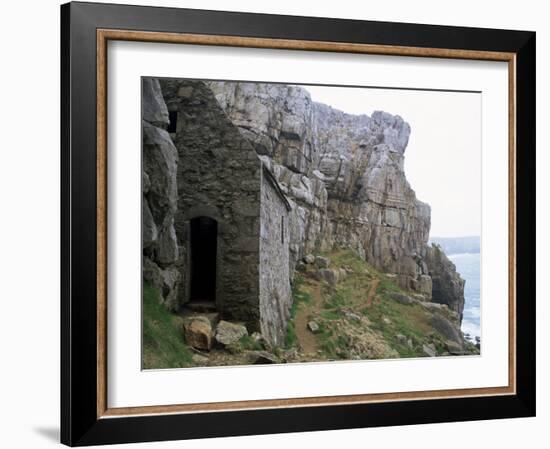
{"x":343,"y":173}
{"x":448,"y":286}
{"x":159,"y":187}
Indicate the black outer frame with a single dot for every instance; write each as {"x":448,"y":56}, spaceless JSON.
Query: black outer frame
{"x":79,"y":423}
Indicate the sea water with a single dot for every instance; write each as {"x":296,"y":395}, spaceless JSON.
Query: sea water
{"x":468,"y":265}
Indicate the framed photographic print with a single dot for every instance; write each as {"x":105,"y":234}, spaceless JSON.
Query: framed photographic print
{"x":280,"y":224}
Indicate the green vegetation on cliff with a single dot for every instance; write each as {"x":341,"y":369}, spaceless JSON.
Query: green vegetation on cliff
{"x":365,"y":315}
{"x":163,"y":344}
{"x":345,"y":311}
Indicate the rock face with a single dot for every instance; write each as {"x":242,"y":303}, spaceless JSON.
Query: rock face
{"x":278,"y":121}
{"x":448,"y":286}
{"x":342,"y":173}
{"x":328,"y":275}
{"x":446,"y":328}
{"x":322,"y":262}
{"x":159,"y":188}
{"x":401,"y":298}
{"x":344,"y":177}
{"x":429,"y":350}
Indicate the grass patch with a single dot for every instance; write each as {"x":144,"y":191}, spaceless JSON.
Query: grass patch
{"x":336,"y":300}
{"x":330,"y":315}
{"x":291,"y":339}
{"x":329,"y":343}
{"x":408,"y":320}
{"x":346,"y":258}
{"x":300,"y":295}
{"x":364,"y":291}
{"x":163,"y":343}
{"x":387,"y":285}
{"x":247,"y":343}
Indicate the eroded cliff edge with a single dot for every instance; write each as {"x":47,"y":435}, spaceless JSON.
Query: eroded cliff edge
{"x":343,"y":175}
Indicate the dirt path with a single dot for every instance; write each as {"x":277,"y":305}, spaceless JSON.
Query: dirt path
{"x":305,"y":337}
{"x":372,"y":292}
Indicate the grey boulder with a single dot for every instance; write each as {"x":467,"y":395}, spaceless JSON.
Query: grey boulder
{"x":322,"y":262}
{"x":313,"y":327}
{"x":261,"y":358}
{"x":402,"y":298}
{"x":228,"y":333}
{"x":446,"y":328}
{"x":429,"y":350}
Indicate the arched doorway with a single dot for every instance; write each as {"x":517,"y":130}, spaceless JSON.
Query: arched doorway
{"x":203,"y":246}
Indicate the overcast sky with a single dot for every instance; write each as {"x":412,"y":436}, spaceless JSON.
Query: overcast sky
{"x":443,"y":158}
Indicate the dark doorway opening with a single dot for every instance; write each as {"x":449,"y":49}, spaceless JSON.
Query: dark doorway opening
{"x":172,"y":121}
{"x":204,"y":239}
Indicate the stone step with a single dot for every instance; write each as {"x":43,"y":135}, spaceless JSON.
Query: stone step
{"x":201,"y":306}
{"x":188,"y":315}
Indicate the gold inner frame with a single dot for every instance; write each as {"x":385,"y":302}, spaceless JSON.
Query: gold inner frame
{"x":104,"y":35}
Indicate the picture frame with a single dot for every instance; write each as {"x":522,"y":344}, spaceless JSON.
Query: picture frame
{"x":86,"y":29}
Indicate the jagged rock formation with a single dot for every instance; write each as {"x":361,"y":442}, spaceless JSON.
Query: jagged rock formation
{"x":343,"y":176}
{"x":448,"y":286}
{"x":277,"y":120}
{"x":160,"y":249}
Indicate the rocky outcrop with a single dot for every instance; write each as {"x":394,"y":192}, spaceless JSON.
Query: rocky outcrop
{"x":278,"y":121}
{"x":159,"y":187}
{"x":447,"y":285}
{"x":371,"y":206}
{"x":343,"y":174}
{"x":447,"y":328}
